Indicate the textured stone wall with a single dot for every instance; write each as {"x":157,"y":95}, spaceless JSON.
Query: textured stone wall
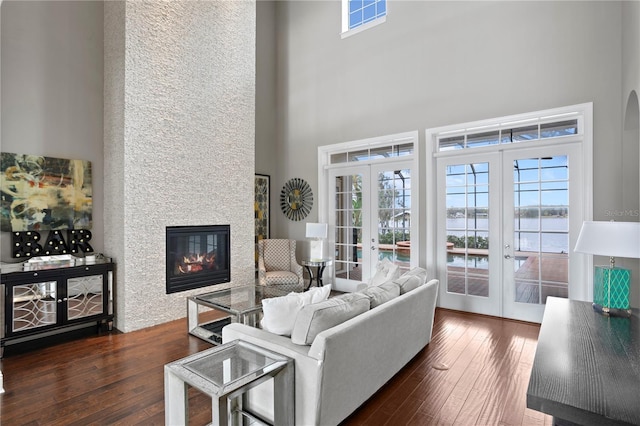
{"x":179,"y":141}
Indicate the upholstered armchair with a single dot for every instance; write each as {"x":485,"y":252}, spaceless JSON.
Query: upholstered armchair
{"x":277,"y":264}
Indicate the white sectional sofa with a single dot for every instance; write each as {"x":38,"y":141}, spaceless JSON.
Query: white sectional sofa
{"x":347,"y":363}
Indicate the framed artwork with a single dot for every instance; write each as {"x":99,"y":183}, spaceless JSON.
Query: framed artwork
{"x":261,"y":210}
{"x":44,"y":193}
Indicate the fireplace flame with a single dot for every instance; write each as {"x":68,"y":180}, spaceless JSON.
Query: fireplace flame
{"x":192,"y":259}
{"x":196,"y":262}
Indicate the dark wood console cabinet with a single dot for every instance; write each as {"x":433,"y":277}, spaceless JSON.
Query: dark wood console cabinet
{"x":53,"y":297}
{"x":586,"y":369}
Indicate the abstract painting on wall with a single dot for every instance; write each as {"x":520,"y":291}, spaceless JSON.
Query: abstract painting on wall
{"x":261,"y":210}
{"x":43,"y":193}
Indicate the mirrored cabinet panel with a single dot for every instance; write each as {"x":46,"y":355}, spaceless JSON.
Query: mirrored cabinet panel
{"x":85,"y":296}
{"x":34,"y":306}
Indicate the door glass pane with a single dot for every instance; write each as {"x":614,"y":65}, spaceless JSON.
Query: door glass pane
{"x":339,"y":158}
{"x":451,"y":143}
{"x":404,"y":149}
{"x":394,"y":217}
{"x":467,"y":231}
{"x":541,"y":228}
{"x":560,"y":128}
{"x":520,"y":134}
{"x":348,"y":227}
{"x":362,"y":155}
{"x":483,"y":139}
{"x":381,"y":152}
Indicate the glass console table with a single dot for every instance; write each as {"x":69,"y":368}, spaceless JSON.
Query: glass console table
{"x":225,"y":373}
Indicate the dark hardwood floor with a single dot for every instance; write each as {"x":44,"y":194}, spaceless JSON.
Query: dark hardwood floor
{"x":116,"y":378}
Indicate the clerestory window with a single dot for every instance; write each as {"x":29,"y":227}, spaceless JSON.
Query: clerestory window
{"x":358,"y":15}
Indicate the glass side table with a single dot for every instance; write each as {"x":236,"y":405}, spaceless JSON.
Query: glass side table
{"x":319,"y":264}
{"x":226,"y":373}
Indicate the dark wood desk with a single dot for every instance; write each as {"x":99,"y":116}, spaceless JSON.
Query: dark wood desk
{"x":587,"y":366}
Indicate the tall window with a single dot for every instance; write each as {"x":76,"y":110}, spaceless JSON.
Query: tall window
{"x":362,"y":14}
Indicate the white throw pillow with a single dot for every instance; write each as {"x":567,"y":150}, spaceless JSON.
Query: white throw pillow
{"x":279,"y":313}
{"x":385,"y":270}
{"x":318,"y":294}
{"x":411,"y":279}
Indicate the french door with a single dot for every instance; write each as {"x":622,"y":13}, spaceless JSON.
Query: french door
{"x":507,"y":223}
{"x":469,"y":232}
{"x":542,"y":202}
{"x":370,"y":210}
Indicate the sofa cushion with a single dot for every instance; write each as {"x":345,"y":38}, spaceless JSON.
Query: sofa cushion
{"x":279,"y":313}
{"x":380,"y":294}
{"x":317,"y":317}
{"x":411,"y":279}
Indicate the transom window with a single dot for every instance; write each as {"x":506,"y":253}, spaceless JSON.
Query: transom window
{"x":373,"y":153}
{"x":529,"y":130}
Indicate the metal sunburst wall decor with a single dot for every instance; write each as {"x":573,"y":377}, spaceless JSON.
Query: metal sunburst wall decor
{"x":296,"y":199}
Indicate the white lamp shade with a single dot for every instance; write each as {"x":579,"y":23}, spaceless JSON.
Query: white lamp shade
{"x":614,"y":239}
{"x":317,"y":230}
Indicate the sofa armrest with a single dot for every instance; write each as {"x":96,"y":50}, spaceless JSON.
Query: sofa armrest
{"x":265,"y":339}
{"x":308,"y":372}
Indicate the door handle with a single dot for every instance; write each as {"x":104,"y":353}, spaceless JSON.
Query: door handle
{"x":507,"y":256}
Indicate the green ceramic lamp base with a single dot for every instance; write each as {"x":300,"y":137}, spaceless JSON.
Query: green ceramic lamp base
{"x":611,"y":288}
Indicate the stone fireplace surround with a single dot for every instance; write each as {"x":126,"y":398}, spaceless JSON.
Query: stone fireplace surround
{"x":179,"y":119}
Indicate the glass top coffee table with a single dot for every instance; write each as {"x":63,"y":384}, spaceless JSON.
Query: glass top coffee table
{"x":225,"y":373}
{"x":243,"y":304}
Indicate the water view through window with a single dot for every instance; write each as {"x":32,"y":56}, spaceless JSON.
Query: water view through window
{"x":541,"y":228}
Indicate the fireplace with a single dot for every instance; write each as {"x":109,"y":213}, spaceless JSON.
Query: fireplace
{"x":197,"y":256}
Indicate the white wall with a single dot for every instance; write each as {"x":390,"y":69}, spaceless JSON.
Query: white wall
{"x":266,"y":156}
{"x":436,"y":63}
{"x":179,"y":141}
{"x":51,"y":77}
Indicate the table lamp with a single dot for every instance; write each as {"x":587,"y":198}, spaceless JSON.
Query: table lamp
{"x":317,"y":232}
{"x":611,"y":284}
